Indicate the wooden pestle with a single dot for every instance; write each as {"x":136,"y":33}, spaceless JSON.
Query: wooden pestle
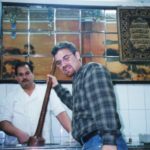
{"x":37,"y":139}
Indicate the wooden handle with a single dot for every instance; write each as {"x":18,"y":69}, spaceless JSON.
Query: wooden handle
{"x":37,"y":139}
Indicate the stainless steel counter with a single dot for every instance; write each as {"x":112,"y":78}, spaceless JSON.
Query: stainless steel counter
{"x":48,"y":147}
{"x":64,"y":147}
{"x":139,"y":147}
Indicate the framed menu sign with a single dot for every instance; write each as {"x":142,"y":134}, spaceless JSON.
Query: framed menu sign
{"x":134,"y":34}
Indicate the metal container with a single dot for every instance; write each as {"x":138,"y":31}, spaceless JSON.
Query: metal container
{"x":144,"y":138}
{"x":2,"y":137}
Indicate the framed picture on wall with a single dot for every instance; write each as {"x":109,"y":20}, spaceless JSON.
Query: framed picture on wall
{"x":134,"y":34}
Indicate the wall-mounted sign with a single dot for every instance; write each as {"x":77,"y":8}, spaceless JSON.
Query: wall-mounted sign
{"x":134,"y":34}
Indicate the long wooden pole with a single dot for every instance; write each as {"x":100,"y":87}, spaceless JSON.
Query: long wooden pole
{"x":37,"y":139}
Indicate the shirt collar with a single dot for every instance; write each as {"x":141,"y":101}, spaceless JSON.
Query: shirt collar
{"x":78,"y":72}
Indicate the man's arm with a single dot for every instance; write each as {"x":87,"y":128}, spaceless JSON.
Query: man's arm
{"x":65,"y":121}
{"x":64,"y":94}
{"x":9,"y":128}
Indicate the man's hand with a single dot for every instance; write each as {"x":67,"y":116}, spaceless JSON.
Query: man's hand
{"x":22,"y":137}
{"x":54,"y":80}
{"x":109,"y":147}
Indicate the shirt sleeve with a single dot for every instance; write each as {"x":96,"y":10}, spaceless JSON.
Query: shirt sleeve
{"x":65,"y":95}
{"x":56,"y":106}
{"x":102,"y":102}
{"x":6,"y":110}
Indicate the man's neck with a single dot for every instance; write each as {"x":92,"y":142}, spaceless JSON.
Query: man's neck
{"x":29,"y":90}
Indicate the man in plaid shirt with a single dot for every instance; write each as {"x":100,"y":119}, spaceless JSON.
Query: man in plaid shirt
{"x":95,"y":120}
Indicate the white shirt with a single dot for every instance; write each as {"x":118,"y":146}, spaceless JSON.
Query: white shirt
{"x":24,"y":110}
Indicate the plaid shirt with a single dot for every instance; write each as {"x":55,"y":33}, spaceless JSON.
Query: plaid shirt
{"x":93,"y":103}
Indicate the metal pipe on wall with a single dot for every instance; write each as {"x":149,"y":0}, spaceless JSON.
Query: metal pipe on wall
{"x":87,"y":2}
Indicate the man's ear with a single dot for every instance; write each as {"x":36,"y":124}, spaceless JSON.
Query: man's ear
{"x":77,"y":54}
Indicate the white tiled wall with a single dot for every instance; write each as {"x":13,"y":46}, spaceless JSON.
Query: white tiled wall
{"x":133,"y":103}
{"x":2,"y":93}
{"x":134,"y":108}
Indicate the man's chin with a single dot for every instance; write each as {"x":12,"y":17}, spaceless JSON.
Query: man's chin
{"x":25,"y":85}
{"x":69,"y":74}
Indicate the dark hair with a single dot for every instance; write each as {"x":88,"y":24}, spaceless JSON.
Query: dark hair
{"x":21,"y":64}
{"x":28,"y":45}
{"x":62,"y":45}
{"x":31,"y":47}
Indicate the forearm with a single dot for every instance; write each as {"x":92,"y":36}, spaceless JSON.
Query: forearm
{"x":65,"y":121}
{"x":61,"y":92}
{"x":10,"y":129}
{"x":65,"y":95}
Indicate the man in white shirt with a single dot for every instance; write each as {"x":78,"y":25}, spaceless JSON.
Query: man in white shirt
{"x":20,"y":114}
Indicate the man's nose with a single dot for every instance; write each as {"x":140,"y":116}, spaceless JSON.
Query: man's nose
{"x":63,"y":63}
{"x":24,"y":75}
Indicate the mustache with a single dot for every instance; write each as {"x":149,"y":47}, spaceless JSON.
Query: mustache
{"x":65,"y":67}
{"x":25,"y":80}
